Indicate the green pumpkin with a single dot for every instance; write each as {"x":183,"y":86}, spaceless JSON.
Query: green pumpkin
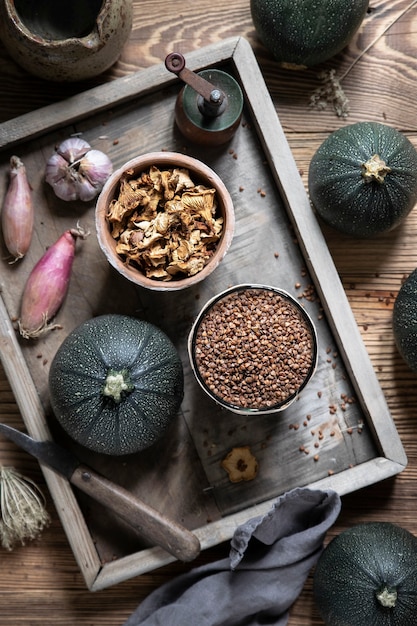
{"x":302,"y":33}
{"x":404,"y":321}
{"x":363,"y":179}
{"x":115,"y":383}
{"x":367,"y":576}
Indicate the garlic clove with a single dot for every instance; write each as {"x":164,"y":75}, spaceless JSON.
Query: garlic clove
{"x":73,"y":149}
{"x":56,"y":169}
{"x":85,"y":189}
{"x":66,"y":189}
{"x":96,"y":167}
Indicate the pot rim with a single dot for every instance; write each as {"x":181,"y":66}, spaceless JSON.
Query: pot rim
{"x":85,"y":41}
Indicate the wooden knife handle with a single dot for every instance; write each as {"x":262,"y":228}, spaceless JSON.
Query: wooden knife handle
{"x":149,"y":523}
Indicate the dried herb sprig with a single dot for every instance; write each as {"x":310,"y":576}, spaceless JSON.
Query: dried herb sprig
{"x":331,"y":91}
{"x":22,"y":509}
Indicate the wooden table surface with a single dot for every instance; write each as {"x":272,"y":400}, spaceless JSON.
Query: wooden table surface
{"x":40,"y":582}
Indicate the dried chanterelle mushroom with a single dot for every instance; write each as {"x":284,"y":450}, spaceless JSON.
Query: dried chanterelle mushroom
{"x":165,"y":224}
{"x":240,"y":464}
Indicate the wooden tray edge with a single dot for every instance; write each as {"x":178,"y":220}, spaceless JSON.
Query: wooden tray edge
{"x":223,"y":530}
{"x":317,"y":255}
{"x":341,"y":317}
{"x":48,"y":118}
{"x":33,"y":416}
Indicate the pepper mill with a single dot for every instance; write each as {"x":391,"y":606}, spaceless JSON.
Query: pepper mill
{"x":209,"y":106}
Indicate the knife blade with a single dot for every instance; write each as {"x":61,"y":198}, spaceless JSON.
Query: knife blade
{"x":147,"y":521}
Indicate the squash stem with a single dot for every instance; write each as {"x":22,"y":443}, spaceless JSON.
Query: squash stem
{"x":375,"y":169}
{"x":117,"y":385}
{"x":387,"y":597}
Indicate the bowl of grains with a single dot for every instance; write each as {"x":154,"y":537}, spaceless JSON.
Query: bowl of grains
{"x":164,"y":220}
{"x":253,"y":349}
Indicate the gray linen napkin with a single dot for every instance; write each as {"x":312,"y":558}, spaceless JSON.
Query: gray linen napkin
{"x":269,"y":561}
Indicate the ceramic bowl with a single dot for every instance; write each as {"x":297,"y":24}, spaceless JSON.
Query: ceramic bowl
{"x":65,"y":41}
{"x":253,"y":349}
{"x":200,"y":174}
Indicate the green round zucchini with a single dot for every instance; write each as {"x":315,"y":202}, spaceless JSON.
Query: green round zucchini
{"x":303,"y":33}
{"x":115,"y":383}
{"x":367,"y":576}
{"x":404,"y":321}
{"x":362,"y":180}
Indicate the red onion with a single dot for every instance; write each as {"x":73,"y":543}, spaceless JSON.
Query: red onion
{"x":47,"y":286}
{"x":17,"y":212}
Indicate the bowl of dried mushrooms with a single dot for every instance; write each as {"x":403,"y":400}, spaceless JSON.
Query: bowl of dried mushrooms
{"x":164,"y":220}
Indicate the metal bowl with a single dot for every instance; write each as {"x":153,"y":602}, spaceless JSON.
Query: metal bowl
{"x":234,"y":358}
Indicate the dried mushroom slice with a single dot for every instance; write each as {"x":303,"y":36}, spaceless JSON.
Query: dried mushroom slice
{"x":240,"y":464}
{"x":164,"y":224}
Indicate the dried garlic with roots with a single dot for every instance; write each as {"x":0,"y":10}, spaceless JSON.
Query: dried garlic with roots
{"x":22,"y":509}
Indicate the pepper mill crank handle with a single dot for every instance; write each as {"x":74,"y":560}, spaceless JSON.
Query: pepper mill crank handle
{"x":175,"y":63}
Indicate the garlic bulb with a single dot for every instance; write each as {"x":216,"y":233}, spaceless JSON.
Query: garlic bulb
{"x":76,"y":171}
{"x":22,"y":509}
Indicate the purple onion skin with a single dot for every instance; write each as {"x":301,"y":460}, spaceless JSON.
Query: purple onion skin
{"x":17,"y":214}
{"x":47,"y":286}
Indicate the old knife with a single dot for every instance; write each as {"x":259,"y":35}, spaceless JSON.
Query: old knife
{"x":147,"y":521}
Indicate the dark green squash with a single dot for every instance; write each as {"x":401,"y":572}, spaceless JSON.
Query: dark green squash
{"x":367,"y":576}
{"x":302,"y":33}
{"x":404,"y":321}
{"x":115,"y":383}
{"x":363,"y":179}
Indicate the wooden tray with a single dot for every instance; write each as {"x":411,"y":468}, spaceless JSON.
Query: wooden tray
{"x":339,"y":434}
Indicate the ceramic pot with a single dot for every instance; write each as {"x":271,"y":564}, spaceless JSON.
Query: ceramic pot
{"x":62,"y":41}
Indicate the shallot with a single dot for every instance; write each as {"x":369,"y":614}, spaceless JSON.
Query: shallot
{"x":76,"y":171}
{"x":17,"y":215}
{"x":47,"y":285}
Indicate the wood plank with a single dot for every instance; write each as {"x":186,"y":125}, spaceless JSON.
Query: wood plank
{"x":33,"y":415}
{"x":35,"y":123}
